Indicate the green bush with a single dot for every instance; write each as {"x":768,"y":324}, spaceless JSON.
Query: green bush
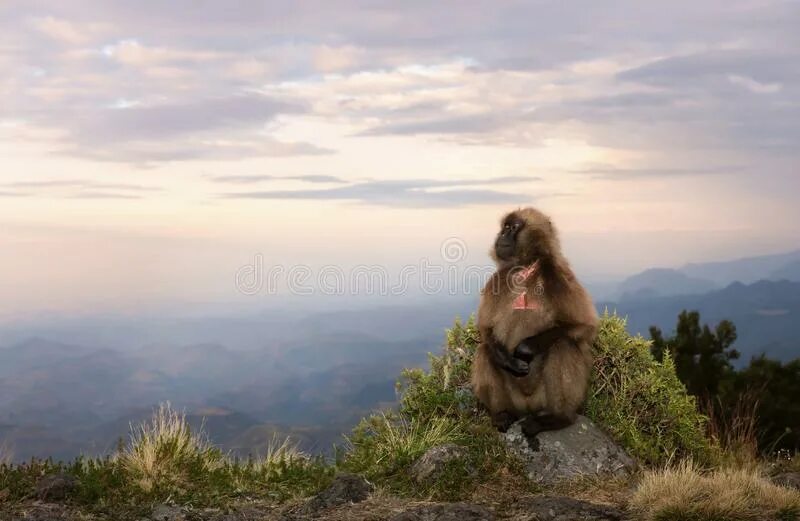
{"x":436,"y":407}
{"x":641,"y":402}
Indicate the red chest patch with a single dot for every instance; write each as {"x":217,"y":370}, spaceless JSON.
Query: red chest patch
{"x":525,"y":300}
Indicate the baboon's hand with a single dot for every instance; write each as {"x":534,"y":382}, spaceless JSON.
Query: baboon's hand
{"x":524,"y":352}
{"x":517,"y":367}
{"x":502,"y":359}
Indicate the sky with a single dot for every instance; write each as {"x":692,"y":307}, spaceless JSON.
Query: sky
{"x":150,"y":151}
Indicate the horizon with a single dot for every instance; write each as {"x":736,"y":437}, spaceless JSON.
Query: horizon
{"x":149,"y":152}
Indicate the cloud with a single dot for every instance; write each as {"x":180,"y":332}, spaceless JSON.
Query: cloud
{"x":258,"y":178}
{"x":80,"y":183}
{"x":415,"y":193}
{"x":168,"y":120}
{"x":753,"y":85}
{"x":694,"y":77}
{"x":144,"y":153}
{"x":76,"y":189}
{"x":103,"y":195}
{"x":627,"y":174}
{"x":464,"y":124}
{"x":691,"y":69}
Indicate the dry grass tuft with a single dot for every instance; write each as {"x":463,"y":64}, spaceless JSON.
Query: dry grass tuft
{"x":6,"y":454}
{"x":685,"y":493}
{"x":164,"y":452}
{"x":735,"y":428}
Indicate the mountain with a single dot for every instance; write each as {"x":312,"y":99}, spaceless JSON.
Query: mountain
{"x":766,"y":315}
{"x":662,"y":282}
{"x":63,"y":399}
{"x":746,"y":270}
{"x":789,"y":271}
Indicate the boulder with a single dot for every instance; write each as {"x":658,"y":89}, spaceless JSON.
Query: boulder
{"x":345,"y":488}
{"x":558,"y":508}
{"x":430,"y":465}
{"x":55,"y":487}
{"x":581,"y":449}
{"x":787,"y":479}
{"x":167,"y":513}
{"x":446,"y":512}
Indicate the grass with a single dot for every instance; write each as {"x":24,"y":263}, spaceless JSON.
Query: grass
{"x":6,"y":454}
{"x":685,"y":493}
{"x":164,"y":460}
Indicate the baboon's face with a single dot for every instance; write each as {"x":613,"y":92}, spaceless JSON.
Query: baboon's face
{"x":524,"y":236}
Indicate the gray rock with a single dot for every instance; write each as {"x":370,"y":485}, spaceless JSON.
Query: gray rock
{"x":55,"y":487}
{"x":446,"y":512}
{"x":41,"y":512}
{"x":580,"y":449}
{"x":346,"y":488}
{"x":430,"y":465}
{"x":167,"y":513}
{"x":787,"y":479}
{"x":557,"y":508}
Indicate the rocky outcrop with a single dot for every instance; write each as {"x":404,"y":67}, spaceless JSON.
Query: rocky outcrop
{"x":581,"y":449}
{"x":429,"y":466}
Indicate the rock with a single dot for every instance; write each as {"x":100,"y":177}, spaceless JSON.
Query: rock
{"x":55,"y":487}
{"x":787,"y":479}
{"x":430,"y":465}
{"x":167,"y":513}
{"x":580,"y":449}
{"x":346,"y":488}
{"x":557,"y":508}
{"x":42,"y":512}
{"x":446,"y":512}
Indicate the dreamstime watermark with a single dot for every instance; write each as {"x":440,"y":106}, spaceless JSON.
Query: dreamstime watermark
{"x":447,"y":275}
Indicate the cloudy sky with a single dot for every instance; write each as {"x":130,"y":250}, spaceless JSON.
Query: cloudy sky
{"x":150,"y":149}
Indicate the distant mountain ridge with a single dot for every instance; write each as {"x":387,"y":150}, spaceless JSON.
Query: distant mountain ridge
{"x":698,"y":278}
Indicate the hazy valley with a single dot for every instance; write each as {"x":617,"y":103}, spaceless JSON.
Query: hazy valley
{"x":74,"y":386}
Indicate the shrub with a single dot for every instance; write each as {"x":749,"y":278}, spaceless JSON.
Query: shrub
{"x":641,"y":401}
{"x":436,"y":407}
{"x":684,"y":493}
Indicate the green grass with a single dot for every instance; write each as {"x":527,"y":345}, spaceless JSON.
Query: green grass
{"x":165,"y":460}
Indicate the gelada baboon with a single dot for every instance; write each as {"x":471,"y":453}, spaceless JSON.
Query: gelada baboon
{"x":537,"y":324}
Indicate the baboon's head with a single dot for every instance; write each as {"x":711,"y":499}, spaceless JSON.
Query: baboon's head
{"x":526,"y":235}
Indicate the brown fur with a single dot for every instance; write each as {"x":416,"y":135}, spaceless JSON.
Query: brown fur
{"x":560,"y":333}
